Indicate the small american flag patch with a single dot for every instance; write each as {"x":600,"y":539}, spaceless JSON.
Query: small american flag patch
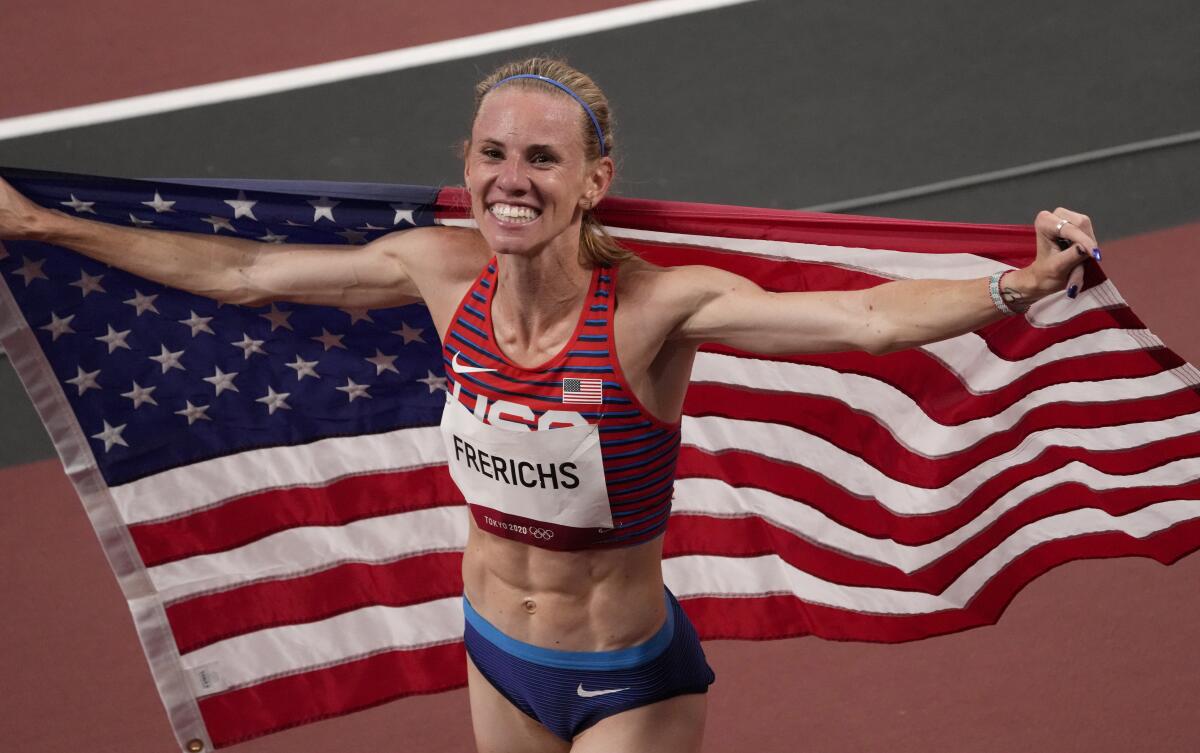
{"x":583,"y":391}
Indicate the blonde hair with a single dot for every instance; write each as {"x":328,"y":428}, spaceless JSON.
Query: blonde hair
{"x":596,"y":246}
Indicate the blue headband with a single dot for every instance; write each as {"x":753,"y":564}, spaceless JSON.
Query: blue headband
{"x":576,"y":97}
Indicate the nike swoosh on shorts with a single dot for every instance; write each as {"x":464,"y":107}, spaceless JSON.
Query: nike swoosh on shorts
{"x":593,"y":693}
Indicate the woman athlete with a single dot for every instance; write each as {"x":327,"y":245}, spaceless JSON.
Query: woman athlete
{"x":568,"y":360}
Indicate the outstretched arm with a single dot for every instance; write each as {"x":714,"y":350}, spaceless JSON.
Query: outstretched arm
{"x":728,"y":309}
{"x":234,"y":270}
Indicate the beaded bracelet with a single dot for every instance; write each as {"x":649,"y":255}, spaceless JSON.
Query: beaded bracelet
{"x":994,"y":290}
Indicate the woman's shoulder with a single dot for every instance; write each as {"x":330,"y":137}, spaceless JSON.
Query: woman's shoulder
{"x":448,"y":253}
{"x":642,"y":279}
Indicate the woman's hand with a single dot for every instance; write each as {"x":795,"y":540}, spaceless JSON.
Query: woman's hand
{"x":1057,"y":269}
{"x":18,"y":215}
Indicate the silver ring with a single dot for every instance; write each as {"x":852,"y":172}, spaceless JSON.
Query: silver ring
{"x":1058,"y":228}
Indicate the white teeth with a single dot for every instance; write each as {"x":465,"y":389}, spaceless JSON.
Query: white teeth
{"x":513,"y":213}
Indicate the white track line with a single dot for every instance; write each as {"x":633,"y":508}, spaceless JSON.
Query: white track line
{"x":365,"y":65}
{"x":1057,"y":163}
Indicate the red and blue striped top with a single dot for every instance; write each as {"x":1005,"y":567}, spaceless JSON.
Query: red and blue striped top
{"x":582,"y":384}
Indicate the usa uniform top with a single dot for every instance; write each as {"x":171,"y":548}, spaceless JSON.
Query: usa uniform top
{"x":563,"y":455}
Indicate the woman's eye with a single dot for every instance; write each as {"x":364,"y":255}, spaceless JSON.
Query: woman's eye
{"x":491,"y":153}
{"x":542,"y":158}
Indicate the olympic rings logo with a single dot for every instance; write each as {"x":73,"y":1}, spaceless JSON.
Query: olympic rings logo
{"x":543,"y":534}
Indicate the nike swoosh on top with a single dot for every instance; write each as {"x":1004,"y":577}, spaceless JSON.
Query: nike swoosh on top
{"x":465,"y":369}
{"x":593,"y":693}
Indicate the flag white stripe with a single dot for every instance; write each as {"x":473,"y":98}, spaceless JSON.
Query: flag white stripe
{"x":387,"y":538}
{"x":882,"y":262}
{"x":292,"y":649}
{"x":900,"y":415}
{"x":982,"y":371}
{"x":707,"y":575}
{"x":704,"y":496}
{"x":297,"y":550}
{"x":198,"y":485}
{"x":715,"y":434}
{"x":265,"y":654}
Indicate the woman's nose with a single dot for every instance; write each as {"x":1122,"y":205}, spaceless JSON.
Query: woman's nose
{"x":512,"y":176}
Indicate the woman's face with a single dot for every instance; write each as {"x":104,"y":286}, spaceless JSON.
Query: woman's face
{"x":527,"y":172}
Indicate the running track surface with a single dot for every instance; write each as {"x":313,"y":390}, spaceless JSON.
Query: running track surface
{"x":1095,"y":656}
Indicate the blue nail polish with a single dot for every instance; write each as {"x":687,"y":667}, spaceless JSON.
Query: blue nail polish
{"x":1072,"y":291}
{"x":1096,"y":253}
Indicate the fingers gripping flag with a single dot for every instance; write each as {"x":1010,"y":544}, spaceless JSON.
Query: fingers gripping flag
{"x":270,"y":491}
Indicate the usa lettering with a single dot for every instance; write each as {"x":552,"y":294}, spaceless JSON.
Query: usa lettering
{"x":502,"y":412}
{"x":515,"y":472}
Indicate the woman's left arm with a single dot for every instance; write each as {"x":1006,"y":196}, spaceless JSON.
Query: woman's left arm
{"x":731,"y":310}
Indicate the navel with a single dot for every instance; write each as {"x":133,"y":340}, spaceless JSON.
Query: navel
{"x":529,"y":605}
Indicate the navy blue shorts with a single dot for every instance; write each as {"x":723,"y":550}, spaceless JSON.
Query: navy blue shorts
{"x":569,"y":691}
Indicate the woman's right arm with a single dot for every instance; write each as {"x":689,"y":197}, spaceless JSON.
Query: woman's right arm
{"x":234,"y":270}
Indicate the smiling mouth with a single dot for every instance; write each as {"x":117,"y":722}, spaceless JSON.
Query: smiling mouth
{"x":512,"y":214}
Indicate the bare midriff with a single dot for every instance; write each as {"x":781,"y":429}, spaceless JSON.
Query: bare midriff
{"x":586,"y":600}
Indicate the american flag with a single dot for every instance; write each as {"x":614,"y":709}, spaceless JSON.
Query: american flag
{"x":270,"y":490}
{"x":583,"y":391}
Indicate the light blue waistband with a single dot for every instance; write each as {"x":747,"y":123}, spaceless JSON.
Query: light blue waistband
{"x":621,"y":658}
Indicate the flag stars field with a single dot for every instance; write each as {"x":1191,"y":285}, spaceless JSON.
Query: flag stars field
{"x":329,"y":340}
{"x":323,"y":208}
{"x":198,"y":323}
{"x":358,"y":315}
{"x":433,"y":381}
{"x":140,"y":394}
{"x":115,"y":339}
{"x":403,"y":214}
{"x":303,"y":368}
{"x":383,"y":362}
{"x":58,"y":326}
{"x":194,"y":413}
{"x":85,"y":380}
{"x":138,"y":222}
{"x":80,"y":207}
{"x":89,"y":283}
{"x":274,"y":400}
{"x":142,"y":303}
{"x":249,"y":346}
{"x":277,"y":318}
{"x":168,"y":359}
{"x":222,"y":381}
{"x":159,"y":205}
{"x":219,"y":223}
{"x":242,"y":207}
{"x":111,"y":435}
{"x":31,"y":270}
{"x":354,"y":390}
{"x":409,"y":334}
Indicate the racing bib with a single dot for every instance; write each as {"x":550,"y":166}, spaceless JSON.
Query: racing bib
{"x":553,"y":476}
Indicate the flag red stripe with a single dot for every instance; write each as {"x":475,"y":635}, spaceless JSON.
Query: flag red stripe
{"x":753,"y":536}
{"x":869,"y":517}
{"x":205,"y":619}
{"x":315,"y":596}
{"x":290,"y":701}
{"x":941,"y":395}
{"x":783,"y":616}
{"x":1010,"y":243}
{"x":863,"y":435}
{"x":246,"y":519}
{"x":240,"y":521}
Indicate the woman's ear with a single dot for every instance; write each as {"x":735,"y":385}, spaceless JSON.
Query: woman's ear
{"x":599,"y":181}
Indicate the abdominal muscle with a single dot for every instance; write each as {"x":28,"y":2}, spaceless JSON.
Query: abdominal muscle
{"x":586,"y":600}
